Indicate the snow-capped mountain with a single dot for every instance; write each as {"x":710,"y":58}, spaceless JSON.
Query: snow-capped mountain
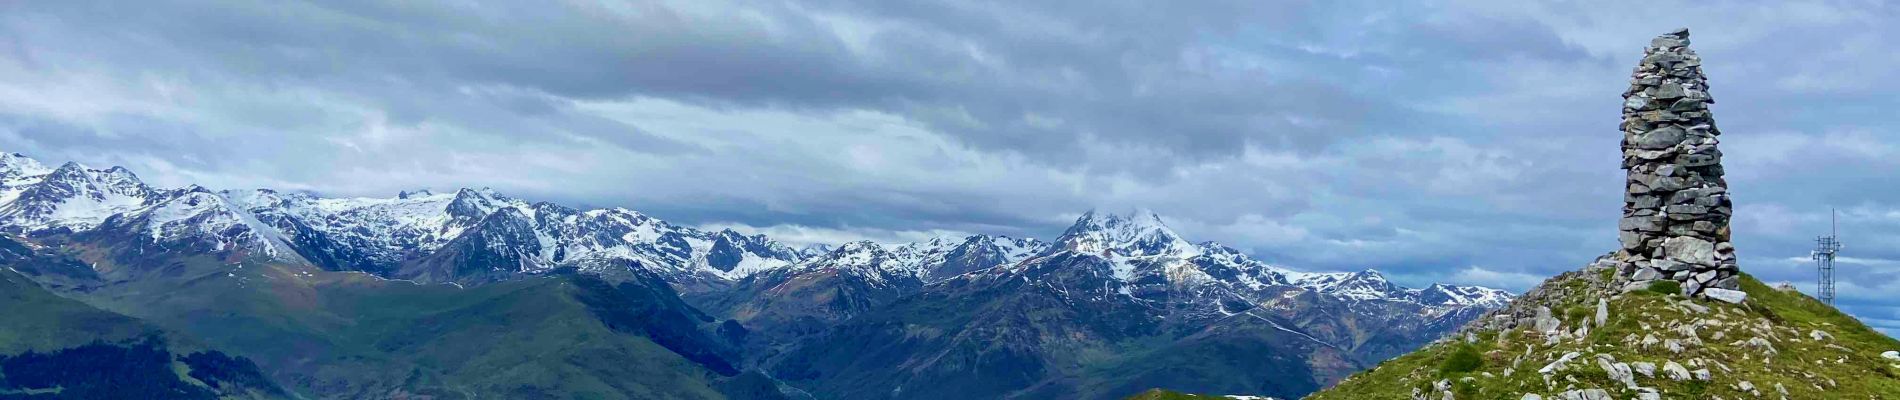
{"x":864,"y":259}
{"x":1141,"y":249}
{"x":198,"y":219}
{"x":1137,"y":258}
{"x":1138,"y":234}
{"x":404,"y":236}
{"x":71,"y":196}
{"x":485,"y":235}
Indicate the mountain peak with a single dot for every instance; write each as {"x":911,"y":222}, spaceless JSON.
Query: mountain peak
{"x":1136,"y":234}
{"x":858,"y":247}
{"x":15,"y":165}
{"x":861,"y":256}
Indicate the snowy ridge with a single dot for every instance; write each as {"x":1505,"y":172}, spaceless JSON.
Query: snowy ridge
{"x":1141,"y":248}
{"x":196,"y":211}
{"x":1138,"y":234}
{"x":927,"y":261}
{"x":373,"y":234}
{"x":1372,"y":285}
{"x":71,"y":196}
{"x":381,"y":235}
{"x":394,"y":230}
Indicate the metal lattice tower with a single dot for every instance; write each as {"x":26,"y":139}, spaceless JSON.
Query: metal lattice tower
{"x":1825,"y":248}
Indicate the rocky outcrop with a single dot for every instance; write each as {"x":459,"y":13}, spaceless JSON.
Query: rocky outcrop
{"x":1676,"y":209}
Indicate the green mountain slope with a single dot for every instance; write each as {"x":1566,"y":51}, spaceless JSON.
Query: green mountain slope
{"x":1650,"y":344}
{"x":350,"y":335}
{"x":52,"y":347}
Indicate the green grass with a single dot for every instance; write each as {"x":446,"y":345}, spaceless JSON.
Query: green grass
{"x":1665,"y":287}
{"x":1463,"y":359}
{"x":38,"y":320}
{"x":1784,"y":318}
{"x":59,"y":333}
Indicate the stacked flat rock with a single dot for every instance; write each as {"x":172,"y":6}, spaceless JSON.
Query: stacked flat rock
{"x":1676,"y":209}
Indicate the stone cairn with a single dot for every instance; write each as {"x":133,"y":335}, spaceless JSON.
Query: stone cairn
{"x":1676,"y":209}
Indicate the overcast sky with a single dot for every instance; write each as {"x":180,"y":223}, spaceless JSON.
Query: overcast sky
{"x":1471,"y":142}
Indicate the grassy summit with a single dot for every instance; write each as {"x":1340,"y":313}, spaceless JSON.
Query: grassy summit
{"x":1775,"y":344}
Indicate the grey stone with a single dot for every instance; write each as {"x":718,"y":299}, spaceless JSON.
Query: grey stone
{"x":1891,"y":355}
{"x":1645,"y":368}
{"x":1646,"y":274}
{"x":1727,"y":295}
{"x":1670,"y":183}
{"x":1648,"y":201}
{"x":1617,"y":371}
{"x":1652,"y":155}
{"x":1559,"y":364}
{"x":1675,"y":371}
{"x":1688,"y":104}
{"x":1637,"y":286}
{"x":1686,"y":196}
{"x":1669,"y":91}
{"x":1603,"y":312}
{"x":1690,"y":250}
{"x":1659,"y":138}
{"x":1585,"y":394}
{"x":1697,"y":160}
{"x":1668,"y":265}
{"x":1546,"y":323}
{"x":1690,"y":210}
{"x":1703,"y":227}
{"x":1757,"y":343}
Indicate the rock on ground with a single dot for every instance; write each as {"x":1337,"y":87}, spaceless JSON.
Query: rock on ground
{"x":1675,"y":371}
{"x":1731,"y":296}
{"x":1585,"y":394}
{"x":1603,"y":312}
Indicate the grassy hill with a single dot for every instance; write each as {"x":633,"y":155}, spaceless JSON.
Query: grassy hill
{"x":1652,"y":343}
{"x":325,"y":334}
{"x":56,"y":348}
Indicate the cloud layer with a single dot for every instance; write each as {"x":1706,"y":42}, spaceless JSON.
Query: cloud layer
{"x":1466,"y":141}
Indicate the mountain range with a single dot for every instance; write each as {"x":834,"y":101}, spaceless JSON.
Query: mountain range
{"x":366,"y":297}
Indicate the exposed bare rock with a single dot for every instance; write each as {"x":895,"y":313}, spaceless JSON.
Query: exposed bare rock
{"x":1675,"y":371}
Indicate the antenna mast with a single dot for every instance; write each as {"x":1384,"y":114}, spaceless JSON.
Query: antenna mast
{"x":1824,"y":250}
